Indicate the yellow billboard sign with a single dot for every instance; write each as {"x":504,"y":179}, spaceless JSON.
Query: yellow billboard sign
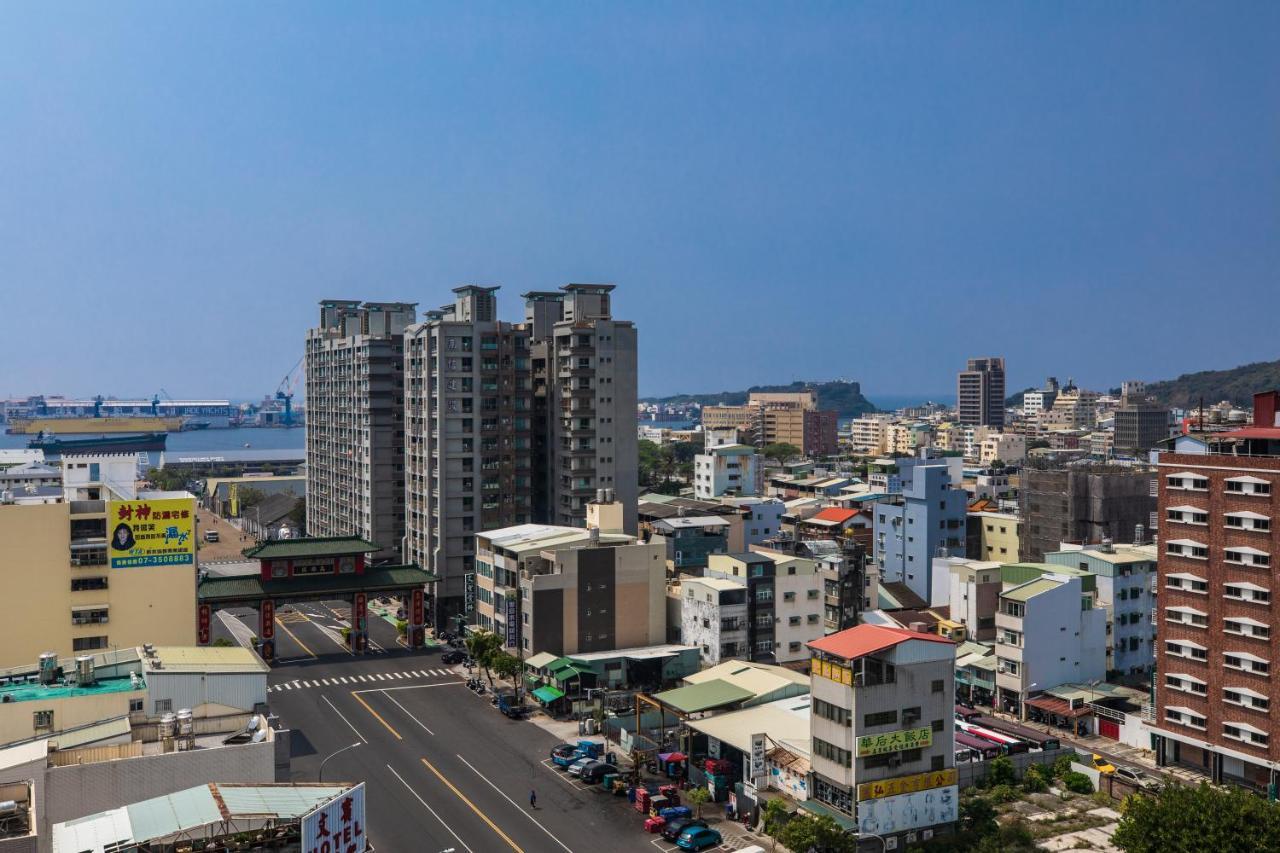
{"x":895,"y":741}
{"x":151,"y":533}
{"x":907,"y":784}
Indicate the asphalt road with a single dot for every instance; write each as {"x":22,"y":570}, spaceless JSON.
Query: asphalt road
{"x":443,"y":769}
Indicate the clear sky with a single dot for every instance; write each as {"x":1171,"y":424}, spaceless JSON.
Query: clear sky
{"x":780,"y":191}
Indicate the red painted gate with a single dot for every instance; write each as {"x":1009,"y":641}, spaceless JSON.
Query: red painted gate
{"x":1108,"y":728}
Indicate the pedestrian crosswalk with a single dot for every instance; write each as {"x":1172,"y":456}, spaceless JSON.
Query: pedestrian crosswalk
{"x":365,"y":679}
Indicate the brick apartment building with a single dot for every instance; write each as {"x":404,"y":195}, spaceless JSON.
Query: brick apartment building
{"x":1216,"y":610}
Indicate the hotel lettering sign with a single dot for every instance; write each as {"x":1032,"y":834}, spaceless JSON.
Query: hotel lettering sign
{"x":907,"y":784}
{"x":895,"y":741}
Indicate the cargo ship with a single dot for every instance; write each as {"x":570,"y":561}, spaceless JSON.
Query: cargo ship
{"x":95,"y":426}
{"x":53,"y":446}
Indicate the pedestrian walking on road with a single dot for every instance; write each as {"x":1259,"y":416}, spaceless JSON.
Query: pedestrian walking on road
{"x":533,"y":799}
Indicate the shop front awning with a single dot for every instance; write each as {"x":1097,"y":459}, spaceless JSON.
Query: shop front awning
{"x":548,"y":694}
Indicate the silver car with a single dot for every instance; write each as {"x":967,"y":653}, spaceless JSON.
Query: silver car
{"x":1138,"y":779}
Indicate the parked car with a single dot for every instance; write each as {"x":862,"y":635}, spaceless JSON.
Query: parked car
{"x":699,"y":838}
{"x":564,"y":754}
{"x":1138,"y":779}
{"x":450,"y":658}
{"x":1106,"y":768}
{"x":672,"y":829}
{"x":576,"y":768}
{"x":595,"y":772}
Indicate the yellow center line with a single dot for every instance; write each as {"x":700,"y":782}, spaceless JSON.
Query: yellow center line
{"x":472,"y":805}
{"x":322,"y":630}
{"x":376,"y":715}
{"x":285,"y":628}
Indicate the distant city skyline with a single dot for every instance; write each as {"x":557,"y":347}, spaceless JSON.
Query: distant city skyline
{"x":779,"y":192}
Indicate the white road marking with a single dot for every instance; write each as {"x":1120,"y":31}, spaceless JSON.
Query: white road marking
{"x":428,"y":808}
{"x":527,"y":814}
{"x":381,"y":676}
{"x":345,"y":720}
{"x":397,"y":675}
{"x":408,"y":687}
{"x":410,"y":716}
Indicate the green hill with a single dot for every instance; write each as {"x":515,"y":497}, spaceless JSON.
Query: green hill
{"x":1238,"y":385}
{"x":843,"y":397}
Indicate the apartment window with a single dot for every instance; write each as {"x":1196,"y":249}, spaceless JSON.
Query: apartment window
{"x":1184,"y":717}
{"x":1244,"y":662}
{"x":1187,"y":548}
{"x":164,"y":706}
{"x":833,"y":753}
{"x":82,"y":584}
{"x":1246,"y":592}
{"x":1247,"y":557}
{"x":936,"y":725}
{"x":1245,"y":698}
{"x":1187,"y":515}
{"x":1186,"y":583}
{"x":937,"y":762}
{"x":1011,"y":638}
{"x":834,"y":713}
{"x":42,"y":720}
{"x":1013,"y":608}
{"x":1245,"y":733}
{"x":911,"y":716}
{"x":1186,"y":684}
{"x":1188,"y":482}
{"x":1247,"y":486}
{"x":1246,"y":627}
{"x":1006,"y":665}
{"x":880,"y":718}
{"x":937,"y":686}
{"x":1187,"y":616}
{"x":136,"y":706}
{"x":1248,"y":521}
{"x":88,"y":644}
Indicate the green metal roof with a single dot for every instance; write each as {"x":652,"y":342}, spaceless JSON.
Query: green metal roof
{"x":557,"y":664}
{"x":1030,"y":589}
{"x":43,"y":692}
{"x":315,"y":546}
{"x":566,"y":673}
{"x":706,"y":696}
{"x":217,"y":590}
{"x":547,"y":693}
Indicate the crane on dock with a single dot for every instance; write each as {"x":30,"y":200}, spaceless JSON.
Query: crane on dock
{"x":284,"y":392}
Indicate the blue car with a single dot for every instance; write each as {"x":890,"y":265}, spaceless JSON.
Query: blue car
{"x":699,"y":838}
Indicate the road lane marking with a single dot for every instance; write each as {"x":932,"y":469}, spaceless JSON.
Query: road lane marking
{"x":428,"y":808}
{"x":407,"y":687}
{"x":529,"y":815}
{"x":285,"y":628}
{"x":376,"y":715}
{"x":397,"y":675}
{"x":380,"y":676}
{"x":345,"y":720}
{"x":410,"y":716}
{"x":472,"y":805}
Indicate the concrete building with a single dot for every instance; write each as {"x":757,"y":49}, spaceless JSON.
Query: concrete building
{"x":1073,"y":408}
{"x":980,"y":393}
{"x":469,"y":437}
{"x":83,"y":589}
{"x":354,"y":362}
{"x":514,"y":423}
{"x":761,"y":518}
{"x":726,"y":469}
{"x":691,"y":540}
{"x":1006,"y":448}
{"x":1048,"y":632}
{"x":1217,"y":690}
{"x":779,"y":418}
{"x":1035,"y":403}
{"x":975,"y":594}
{"x":1126,"y":576}
{"x":1140,"y":425}
{"x":867,"y":434}
{"x":925,"y":521}
{"x":1082,"y":504}
{"x":883,"y":732}
{"x":713,"y":617}
{"x":993,"y":536}
{"x":566,"y":590}
{"x":784,"y":601}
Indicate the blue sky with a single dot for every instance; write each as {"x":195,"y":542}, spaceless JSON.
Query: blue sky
{"x":780,"y":191}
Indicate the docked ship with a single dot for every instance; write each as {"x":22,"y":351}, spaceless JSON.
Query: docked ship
{"x":95,"y":426}
{"x":54,"y":446}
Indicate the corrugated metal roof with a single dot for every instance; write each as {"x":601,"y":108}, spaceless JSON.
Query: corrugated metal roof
{"x":862,"y":640}
{"x":1030,"y":589}
{"x":205,"y":659}
{"x":91,"y":734}
{"x":703,"y":697}
{"x":280,"y":800}
{"x":163,"y":816}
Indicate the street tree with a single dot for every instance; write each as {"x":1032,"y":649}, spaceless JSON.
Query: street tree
{"x":1187,"y":818}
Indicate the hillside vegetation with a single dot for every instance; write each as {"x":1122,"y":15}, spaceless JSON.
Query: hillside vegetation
{"x":843,"y":397}
{"x":1238,"y":385}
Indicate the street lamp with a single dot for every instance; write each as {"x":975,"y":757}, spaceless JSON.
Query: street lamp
{"x":1022,"y":704}
{"x":320,"y":775}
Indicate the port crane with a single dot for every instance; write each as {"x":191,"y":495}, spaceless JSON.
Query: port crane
{"x":284,"y":393}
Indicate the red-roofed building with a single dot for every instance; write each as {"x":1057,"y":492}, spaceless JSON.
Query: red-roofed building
{"x":843,"y":525}
{"x":882,"y":709}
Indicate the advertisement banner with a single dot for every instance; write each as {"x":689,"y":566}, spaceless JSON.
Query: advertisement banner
{"x":418,"y":610}
{"x":895,"y":741}
{"x":337,"y":826}
{"x":907,"y":784}
{"x":758,"y":770}
{"x":151,"y":533}
{"x":469,"y":592}
{"x":887,"y":815}
{"x":513,"y":621}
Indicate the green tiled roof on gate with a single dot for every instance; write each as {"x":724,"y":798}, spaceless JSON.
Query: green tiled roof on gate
{"x":706,"y":696}
{"x":548,"y":694}
{"x":314,"y":546}
{"x":216,"y":590}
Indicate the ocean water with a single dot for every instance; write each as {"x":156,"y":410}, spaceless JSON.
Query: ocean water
{"x":210,"y":440}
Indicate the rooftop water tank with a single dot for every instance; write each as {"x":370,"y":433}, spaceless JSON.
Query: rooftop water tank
{"x":48,"y":667}
{"x":84,"y":669}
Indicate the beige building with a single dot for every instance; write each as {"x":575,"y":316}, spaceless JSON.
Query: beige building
{"x":778,"y":418}
{"x":63,"y":594}
{"x":566,"y":590}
